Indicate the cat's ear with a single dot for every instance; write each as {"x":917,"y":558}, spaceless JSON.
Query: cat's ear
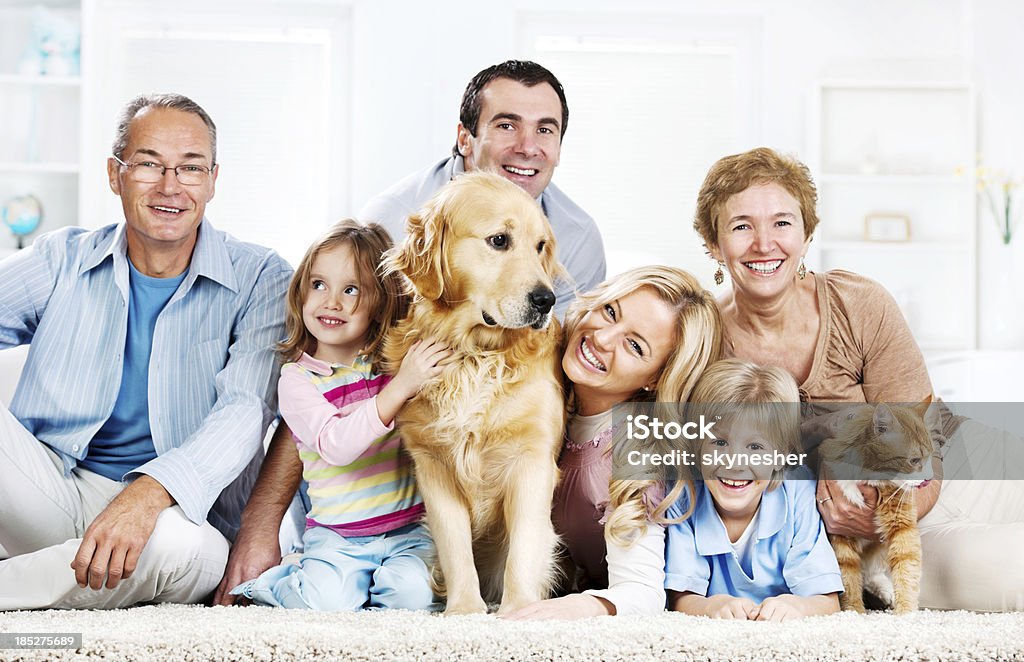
{"x":883,"y":419}
{"x":922,"y":409}
{"x":930,"y":413}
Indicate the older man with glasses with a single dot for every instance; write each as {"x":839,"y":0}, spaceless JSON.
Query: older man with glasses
{"x":135,"y":433}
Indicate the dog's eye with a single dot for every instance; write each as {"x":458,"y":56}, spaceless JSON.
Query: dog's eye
{"x":498,"y":242}
{"x":540,"y":246}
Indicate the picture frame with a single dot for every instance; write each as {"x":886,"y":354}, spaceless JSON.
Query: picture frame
{"x":887,"y":227}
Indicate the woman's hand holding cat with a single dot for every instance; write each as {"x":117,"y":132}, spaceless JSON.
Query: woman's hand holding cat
{"x":842,"y":516}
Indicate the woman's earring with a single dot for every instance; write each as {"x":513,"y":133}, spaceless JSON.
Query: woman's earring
{"x":801,"y":271}
{"x":720,"y":275}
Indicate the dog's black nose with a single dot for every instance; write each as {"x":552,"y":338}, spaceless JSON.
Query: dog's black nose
{"x":542,"y":299}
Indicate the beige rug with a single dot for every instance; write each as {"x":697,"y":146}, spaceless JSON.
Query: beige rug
{"x":173,"y":632}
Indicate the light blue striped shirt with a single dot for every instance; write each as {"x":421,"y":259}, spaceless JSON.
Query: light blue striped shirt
{"x":213,"y":369}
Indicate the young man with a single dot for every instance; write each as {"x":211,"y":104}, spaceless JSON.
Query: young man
{"x":512,"y":122}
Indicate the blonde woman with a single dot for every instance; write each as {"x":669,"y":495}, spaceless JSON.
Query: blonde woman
{"x":645,"y":335}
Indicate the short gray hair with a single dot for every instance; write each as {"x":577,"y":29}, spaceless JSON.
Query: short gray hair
{"x":171,"y":101}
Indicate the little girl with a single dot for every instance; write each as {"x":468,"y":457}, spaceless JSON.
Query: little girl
{"x":755,"y":547}
{"x":364,"y":545}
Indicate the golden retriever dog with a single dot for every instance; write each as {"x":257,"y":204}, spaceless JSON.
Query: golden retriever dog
{"x":485,"y":435}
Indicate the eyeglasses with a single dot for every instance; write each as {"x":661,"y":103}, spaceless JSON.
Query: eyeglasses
{"x":150,"y":172}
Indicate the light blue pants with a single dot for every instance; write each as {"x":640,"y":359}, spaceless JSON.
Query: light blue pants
{"x":389,"y":571}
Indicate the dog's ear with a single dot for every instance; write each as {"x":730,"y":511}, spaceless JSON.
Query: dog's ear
{"x":549,"y":260}
{"x":421,"y":257}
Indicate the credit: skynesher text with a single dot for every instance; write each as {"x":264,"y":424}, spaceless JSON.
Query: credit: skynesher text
{"x":677,"y":458}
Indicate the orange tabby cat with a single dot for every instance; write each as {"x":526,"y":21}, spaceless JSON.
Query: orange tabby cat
{"x":890,"y":448}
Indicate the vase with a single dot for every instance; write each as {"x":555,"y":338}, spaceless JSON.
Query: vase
{"x":1001,"y":294}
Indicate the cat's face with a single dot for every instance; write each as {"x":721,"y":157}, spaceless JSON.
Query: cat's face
{"x":885,"y":443}
{"x":900,"y":444}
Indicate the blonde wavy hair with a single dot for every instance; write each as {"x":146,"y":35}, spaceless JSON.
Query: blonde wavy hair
{"x":734,"y":387}
{"x":698,"y":343}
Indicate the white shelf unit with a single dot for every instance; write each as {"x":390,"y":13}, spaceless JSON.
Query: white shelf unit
{"x":40,"y":124}
{"x":40,"y":81}
{"x":40,"y":167}
{"x":904,"y":148}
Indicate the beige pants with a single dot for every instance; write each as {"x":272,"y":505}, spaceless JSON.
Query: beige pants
{"x":973,"y":537}
{"x":43,"y":515}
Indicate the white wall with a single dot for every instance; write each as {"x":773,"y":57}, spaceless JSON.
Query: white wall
{"x":411,"y":61}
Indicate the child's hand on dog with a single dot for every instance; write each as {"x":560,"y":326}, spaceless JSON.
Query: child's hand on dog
{"x":421,"y":364}
{"x":424,"y":362}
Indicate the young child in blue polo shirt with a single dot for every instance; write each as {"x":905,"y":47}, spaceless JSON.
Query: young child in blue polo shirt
{"x":754,"y":547}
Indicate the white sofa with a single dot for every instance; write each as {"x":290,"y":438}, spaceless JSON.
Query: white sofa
{"x":11,"y":362}
{"x":978,"y":376}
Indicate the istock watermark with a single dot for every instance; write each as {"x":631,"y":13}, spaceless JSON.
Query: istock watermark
{"x":645,"y":427}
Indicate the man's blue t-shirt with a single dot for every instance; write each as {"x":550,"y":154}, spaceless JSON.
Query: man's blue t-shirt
{"x":125,"y":442}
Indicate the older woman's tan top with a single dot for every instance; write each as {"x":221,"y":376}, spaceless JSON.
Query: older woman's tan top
{"x":865,"y":350}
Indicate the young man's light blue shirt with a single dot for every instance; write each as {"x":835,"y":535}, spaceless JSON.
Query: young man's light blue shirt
{"x":212,"y":371}
{"x":791,"y":553}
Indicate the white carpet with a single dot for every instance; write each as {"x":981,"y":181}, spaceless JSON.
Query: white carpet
{"x":173,"y":632}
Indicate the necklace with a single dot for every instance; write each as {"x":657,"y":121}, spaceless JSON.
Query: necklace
{"x":603,"y":436}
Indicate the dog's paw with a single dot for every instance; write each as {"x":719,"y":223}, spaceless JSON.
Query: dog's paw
{"x":457,"y":608}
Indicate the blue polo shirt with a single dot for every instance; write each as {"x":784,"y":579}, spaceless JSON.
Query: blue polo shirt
{"x":791,"y":554}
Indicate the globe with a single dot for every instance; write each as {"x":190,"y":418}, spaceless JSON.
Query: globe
{"x":22,"y":215}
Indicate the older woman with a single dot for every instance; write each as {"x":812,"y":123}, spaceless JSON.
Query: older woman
{"x":843,"y":338}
